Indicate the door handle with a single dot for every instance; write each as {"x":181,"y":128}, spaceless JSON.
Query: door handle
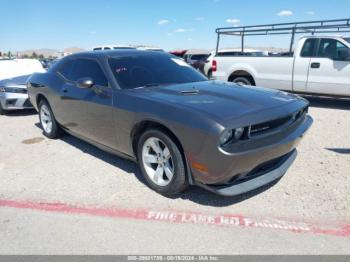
{"x":65,"y":90}
{"x":315,"y":65}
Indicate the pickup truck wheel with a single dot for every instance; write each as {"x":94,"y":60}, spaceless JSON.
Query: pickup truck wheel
{"x":161,"y":162}
{"x":243,"y":81}
{"x":210,"y":74}
{"x":50,"y":127}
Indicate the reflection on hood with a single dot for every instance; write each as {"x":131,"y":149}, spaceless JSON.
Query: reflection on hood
{"x":18,"y":80}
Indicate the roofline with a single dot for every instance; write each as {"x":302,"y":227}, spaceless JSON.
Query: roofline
{"x":112,"y":53}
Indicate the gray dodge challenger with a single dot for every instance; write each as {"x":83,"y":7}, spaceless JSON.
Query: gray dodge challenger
{"x":180,"y":127}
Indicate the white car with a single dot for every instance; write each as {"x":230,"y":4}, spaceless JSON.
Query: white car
{"x":230,"y":52}
{"x":111,"y":47}
{"x":13,"y":77}
{"x":319,"y":65}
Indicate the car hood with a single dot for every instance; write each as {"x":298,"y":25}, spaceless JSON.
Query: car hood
{"x":19,"y":81}
{"x":221,"y":100}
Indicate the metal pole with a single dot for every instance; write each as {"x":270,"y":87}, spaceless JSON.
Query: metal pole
{"x":242,"y":43}
{"x":217,"y":44}
{"x":292,"y":41}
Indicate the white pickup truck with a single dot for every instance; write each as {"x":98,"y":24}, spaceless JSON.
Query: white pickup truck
{"x":318,"y":65}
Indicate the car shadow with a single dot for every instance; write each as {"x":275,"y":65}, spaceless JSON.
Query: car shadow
{"x":17,"y":113}
{"x":203,"y":197}
{"x":343,"y":151}
{"x":193,"y":193}
{"x":328,"y":102}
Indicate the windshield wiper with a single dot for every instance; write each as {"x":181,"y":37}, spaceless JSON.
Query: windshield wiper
{"x":154,"y":85}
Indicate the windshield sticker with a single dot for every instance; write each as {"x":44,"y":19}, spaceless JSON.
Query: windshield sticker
{"x":122,"y":69}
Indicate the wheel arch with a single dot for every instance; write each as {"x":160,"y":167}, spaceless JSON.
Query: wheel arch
{"x":40,"y":97}
{"x":144,"y":125}
{"x":241,"y":73}
{"x":242,"y":70}
{"x":140,"y":127}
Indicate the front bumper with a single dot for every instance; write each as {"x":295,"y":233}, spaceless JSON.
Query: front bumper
{"x":259,"y":179}
{"x":15,"y":101}
{"x":226,"y":170}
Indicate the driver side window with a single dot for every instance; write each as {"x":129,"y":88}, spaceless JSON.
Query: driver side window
{"x":88,"y":68}
{"x":79,"y":68}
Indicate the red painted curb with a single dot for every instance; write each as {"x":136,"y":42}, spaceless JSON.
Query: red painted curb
{"x":186,"y":217}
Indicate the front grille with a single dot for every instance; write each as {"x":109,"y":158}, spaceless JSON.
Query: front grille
{"x":15,"y":90}
{"x":22,"y":91}
{"x":265,"y":127}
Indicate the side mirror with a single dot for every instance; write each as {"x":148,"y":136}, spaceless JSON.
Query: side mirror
{"x":343,"y":54}
{"x":85,"y":82}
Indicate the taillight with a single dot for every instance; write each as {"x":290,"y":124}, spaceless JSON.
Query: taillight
{"x":214,"y":66}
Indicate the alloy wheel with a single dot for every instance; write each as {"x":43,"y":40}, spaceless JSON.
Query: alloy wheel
{"x":157,"y":161}
{"x":46,"y":119}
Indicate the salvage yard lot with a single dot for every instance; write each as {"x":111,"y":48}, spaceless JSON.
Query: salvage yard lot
{"x":69,"y":173}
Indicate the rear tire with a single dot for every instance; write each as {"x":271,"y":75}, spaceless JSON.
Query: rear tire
{"x":242,"y":80}
{"x":161,"y":162}
{"x":50,"y":127}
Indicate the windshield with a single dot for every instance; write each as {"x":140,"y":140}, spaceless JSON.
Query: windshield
{"x":151,"y":70}
{"x":347,"y":39}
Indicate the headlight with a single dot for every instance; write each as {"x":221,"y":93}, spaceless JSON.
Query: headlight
{"x":238,"y":133}
{"x":226,"y":136}
{"x":13,"y":90}
{"x":231,"y":134}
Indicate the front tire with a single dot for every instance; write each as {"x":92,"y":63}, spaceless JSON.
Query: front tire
{"x":50,"y":127}
{"x":161,"y":162}
{"x":2,"y":111}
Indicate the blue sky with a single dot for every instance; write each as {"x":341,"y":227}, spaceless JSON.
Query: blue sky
{"x":168,"y":24}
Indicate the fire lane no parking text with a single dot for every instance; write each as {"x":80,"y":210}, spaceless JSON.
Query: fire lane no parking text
{"x":186,"y":217}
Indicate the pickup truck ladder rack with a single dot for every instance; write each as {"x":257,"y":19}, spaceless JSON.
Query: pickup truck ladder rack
{"x":309,"y":27}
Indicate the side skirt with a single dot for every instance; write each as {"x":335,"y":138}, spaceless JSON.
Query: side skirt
{"x":102,"y":147}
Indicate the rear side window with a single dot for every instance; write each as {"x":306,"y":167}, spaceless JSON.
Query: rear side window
{"x":97,"y":49}
{"x":233,"y":53}
{"x":78,"y":68}
{"x":309,"y":48}
{"x":330,"y":48}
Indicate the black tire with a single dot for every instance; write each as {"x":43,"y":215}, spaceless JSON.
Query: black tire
{"x":243,"y":81}
{"x":2,"y":111}
{"x":178,"y":183}
{"x":210,"y":74}
{"x":56,"y":130}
